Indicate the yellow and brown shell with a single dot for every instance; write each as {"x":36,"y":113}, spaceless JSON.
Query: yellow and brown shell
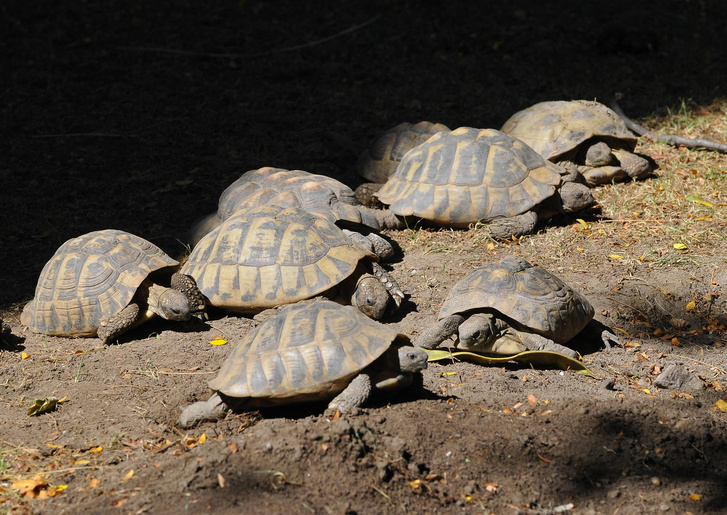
{"x":88,"y":278}
{"x":556,"y":129}
{"x":269,"y":256}
{"x":529,"y":295}
{"x":309,"y":351}
{"x":468,"y":175}
{"x":379,"y":161}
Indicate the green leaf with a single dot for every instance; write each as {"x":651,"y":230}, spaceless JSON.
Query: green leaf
{"x":539,"y":358}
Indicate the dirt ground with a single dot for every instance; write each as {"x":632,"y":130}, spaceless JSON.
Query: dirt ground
{"x":136,"y":115}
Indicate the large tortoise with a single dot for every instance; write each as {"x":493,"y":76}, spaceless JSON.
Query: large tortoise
{"x":310,"y":351}
{"x":511,"y":306}
{"x":379,"y":160}
{"x":320,"y":195}
{"x":105,"y":282}
{"x":583,"y":135}
{"x":268,"y":256}
{"x":467,"y":176}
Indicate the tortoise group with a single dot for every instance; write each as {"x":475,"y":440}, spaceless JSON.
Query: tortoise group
{"x":297,"y":239}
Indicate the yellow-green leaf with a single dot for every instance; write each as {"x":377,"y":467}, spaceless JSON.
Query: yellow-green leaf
{"x":681,"y":246}
{"x":721,"y":405}
{"x":582,"y":225}
{"x":539,"y":358}
{"x":694,"y":198}
{"x":615,"y":256}
{"x":41,"y":406}
{"x":690,"y":306}
{"x":218,"y":341}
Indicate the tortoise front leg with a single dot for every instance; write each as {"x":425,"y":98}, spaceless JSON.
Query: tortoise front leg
{"x":111,"y":327}
{"x":188,"y":286}
{"x":387,"y":280}
{"x":433,"y":336}
{"x":355,"y":394}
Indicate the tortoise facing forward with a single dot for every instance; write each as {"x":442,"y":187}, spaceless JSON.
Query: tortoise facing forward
{"x":105,"y":282}
{"x":309,"y":351}
{"x":471,"y":175}
{"x":511,"y":306}
{"x":583,"y":135}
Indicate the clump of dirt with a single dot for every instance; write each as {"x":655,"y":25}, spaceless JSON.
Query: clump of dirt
{"x":136,"y":117}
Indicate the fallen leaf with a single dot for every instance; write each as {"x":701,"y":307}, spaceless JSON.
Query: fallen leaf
{"x":695,"y":497}
{"x":233,"y":447}
{"x":721,"y":405}
{"x":41,"y":406}
{"x":24,"y":355}
{"x":546,"y":460}
{"x":675,"y":342}
{"x":218,"y":341}
{"x":119,"y":502}
{"x":694,"y":198}
{"x":28,"y":487}
{"x":582,"y":225}
{"x":681,"y":246}
{"x":615,"y":256}
{"x":94,"y":483}
{"x":202,"y":438}
{"x":129,"y":475}
{"x":96,"y":450}
{"x":690,"y":306}
{"x":82,"y":462}
{"x":491,"y":486}
{"x":532,"y":401}
{"x":415,"y":484}
{"x":220,"y":480}
{"x":543,"y":359}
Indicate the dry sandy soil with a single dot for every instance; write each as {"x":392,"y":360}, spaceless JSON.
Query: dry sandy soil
{"x":135,"y":116}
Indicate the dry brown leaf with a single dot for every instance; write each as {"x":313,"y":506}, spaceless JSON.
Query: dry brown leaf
{"x":129,"y":475}
{"x":532,"y":401}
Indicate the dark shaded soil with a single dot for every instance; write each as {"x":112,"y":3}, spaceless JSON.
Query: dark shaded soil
{"x":136,"y":115}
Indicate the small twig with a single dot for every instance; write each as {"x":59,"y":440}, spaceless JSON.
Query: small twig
{"x":677,"y":141}
{"x":260,"y":54}
{"x":722,"y":370}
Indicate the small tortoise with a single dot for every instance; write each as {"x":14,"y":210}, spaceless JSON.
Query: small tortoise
{"x":512,"y":306}
{"x":106,"y":282}
{"x":471,"y":175}
{"x":310,"y":351}
{"x":582,"y":135}
{"x":318,"y":194}
{"x":268,"y":256}
{"x":379,"y":161}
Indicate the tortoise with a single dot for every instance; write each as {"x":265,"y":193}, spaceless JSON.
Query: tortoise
{"x":310,"y":351}
{"x":320,"y":195}
{"x":511,"y":306}
{"x":379,"y":161}
{"x":105,"y":282}
{"x":582,"y":135}
{"x":268,"y":256}
{"x":469,"y":175}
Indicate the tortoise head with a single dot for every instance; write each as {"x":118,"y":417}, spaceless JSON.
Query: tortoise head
{"x":174,"y":305}
{"x":371,"y":297}
{"x":412,"y":359}
{"x":477,"y":332}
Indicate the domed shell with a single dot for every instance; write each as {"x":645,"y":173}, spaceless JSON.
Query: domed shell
{"x":309,"y":351}
{"x":555,"y":129}
{"x":527,"y":294}
{"x":88,"y":278}
{"x":318,"y":194}
{"x":468,"y":175}
{"x":379,"y":161}
{"x":268,"y":256}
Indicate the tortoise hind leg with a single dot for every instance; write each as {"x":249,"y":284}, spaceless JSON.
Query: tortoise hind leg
{"x":213,"y":408}
{"x":111,"y":327}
